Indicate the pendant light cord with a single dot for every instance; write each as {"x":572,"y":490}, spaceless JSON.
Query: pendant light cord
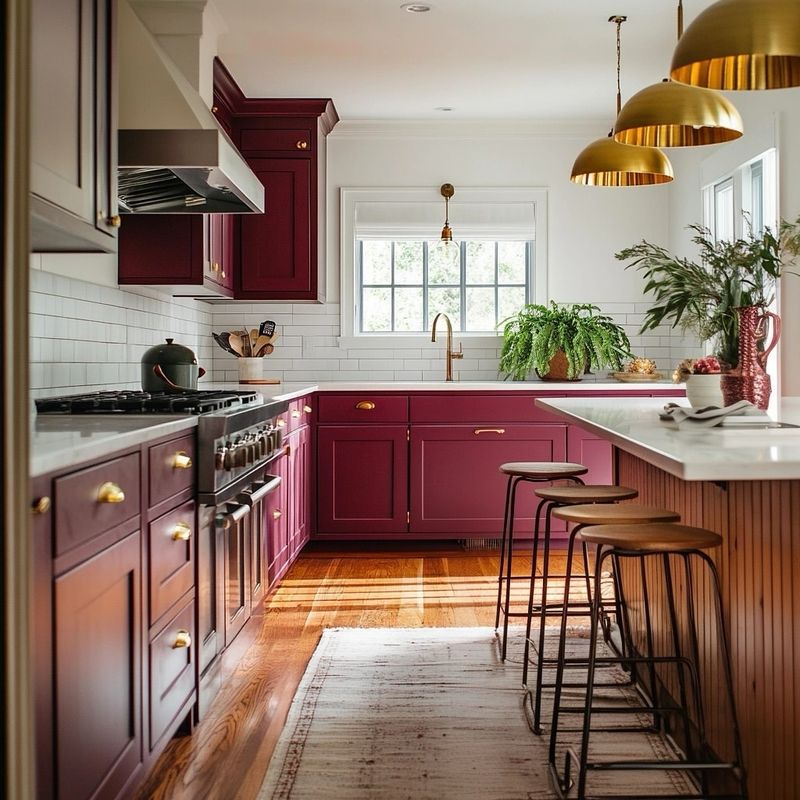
{"x":618,"y":20}
{"x":680,"y":18}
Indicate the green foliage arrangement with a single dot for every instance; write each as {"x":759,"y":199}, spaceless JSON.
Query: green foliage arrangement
{"x":533,"y":336}
{"x":703,"y":297}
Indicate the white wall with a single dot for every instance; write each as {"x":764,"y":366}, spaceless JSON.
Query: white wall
{"x":587,"y":225}
{"x":757,"y":109}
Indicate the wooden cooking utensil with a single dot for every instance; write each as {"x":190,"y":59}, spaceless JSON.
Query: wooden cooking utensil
{"x":259,"y":344}
{"x":235,"y":342}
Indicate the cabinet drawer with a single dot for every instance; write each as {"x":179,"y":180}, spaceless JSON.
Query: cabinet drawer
{"x":299,"y":140}
{"x":94,"y":500}
{"x":479,"y":408}
{"x":364,"y":407}
{"x":172,"y":468}
{"x":172,"y":539}
{"x":171,"y":671}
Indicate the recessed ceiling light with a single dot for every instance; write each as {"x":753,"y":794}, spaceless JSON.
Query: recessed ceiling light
{"x":416,"y":8}
{"x":443,"y":108}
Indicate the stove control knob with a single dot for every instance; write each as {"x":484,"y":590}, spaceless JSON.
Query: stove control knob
{"x":219,"y":459}
{"x":241,"y":455}
{"x":229,"y":458}
{"x":262,"y":446}
{"x":252,"y":452}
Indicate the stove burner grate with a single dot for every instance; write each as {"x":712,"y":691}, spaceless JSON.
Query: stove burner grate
{"x":133,"y":402}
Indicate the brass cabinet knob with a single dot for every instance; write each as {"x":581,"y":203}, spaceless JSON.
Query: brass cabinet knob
{"x":214,"y":109}
{"x":181,"y":460}
{"x":182,"y":532}
{"x":307,"y":409}
{"x":281,"y":423}
{"x":114,"y":221}
{"x":214,"y":266}
{"x":287,"y":450}
{"x":41,"y":505}
{"x":365,"y":405}
{"x":302,"y":145}
{"x":182,"y":639}
{"x":222,"y":273}
{"x":277,"y":514}
{"x":110,"y":493}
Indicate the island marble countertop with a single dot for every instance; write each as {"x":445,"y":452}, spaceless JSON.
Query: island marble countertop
{"x":694,"y":454}
{"x":58,"y":441}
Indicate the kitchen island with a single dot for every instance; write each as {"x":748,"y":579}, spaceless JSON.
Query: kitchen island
{"x":744,"y":484}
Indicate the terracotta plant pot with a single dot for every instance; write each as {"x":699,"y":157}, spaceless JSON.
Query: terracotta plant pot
{"x":559,"y":367}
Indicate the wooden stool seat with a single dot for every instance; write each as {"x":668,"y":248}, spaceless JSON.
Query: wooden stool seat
{"x":585,"y":494}
{"x":652,"y":538}
{"x":544,"y":470}
{"x":628,"y":514}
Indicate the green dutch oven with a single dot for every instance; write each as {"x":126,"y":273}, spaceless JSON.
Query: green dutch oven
{"x":170,"y":367}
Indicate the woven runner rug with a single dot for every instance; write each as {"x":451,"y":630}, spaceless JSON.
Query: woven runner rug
{"x":432,"y":714}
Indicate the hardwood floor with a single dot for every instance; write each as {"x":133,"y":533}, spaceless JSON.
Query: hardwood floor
{"x":424,"y":585}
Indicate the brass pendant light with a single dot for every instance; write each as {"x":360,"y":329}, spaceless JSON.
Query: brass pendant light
{"x":605,"y":162}
{"x":741,"y":44}
{"x":447,"y":190}
{"x":671,"y":114}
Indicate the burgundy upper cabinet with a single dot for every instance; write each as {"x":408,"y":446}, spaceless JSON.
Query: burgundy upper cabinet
{"x":73,"y":126}
{"x":191,"y":253}
{"x":279,"y":254}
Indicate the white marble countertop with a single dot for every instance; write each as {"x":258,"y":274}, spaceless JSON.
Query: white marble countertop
{"x":705,"y":454}
{"x":61,"y":441}
{"x":288,"y":391}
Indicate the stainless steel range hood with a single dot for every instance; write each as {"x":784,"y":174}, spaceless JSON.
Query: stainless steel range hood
{"x":173,"y":156}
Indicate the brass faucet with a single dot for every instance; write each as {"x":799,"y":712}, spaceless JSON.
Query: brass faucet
{"x":450,"y":354}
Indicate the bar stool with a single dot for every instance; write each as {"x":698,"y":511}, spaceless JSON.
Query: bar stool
{"x":580,"y":515}
{"x":656,"y":541}
{"x":523,"y":472}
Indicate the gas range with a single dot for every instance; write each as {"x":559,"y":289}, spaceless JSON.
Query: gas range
{"x":134,"y":402}
{"x":238,"y":433}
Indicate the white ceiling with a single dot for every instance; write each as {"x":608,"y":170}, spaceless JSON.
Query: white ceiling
{"x":487,"y":59}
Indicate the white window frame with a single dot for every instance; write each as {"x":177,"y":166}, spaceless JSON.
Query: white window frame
{"x":349,"y":199}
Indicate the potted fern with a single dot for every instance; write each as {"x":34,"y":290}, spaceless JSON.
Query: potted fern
{"x":560,"y":342}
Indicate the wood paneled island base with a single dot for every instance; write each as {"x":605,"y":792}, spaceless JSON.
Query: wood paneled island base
{"x":759,"y":567}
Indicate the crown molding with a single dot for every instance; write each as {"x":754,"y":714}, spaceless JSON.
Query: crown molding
{"x":470,"y":129}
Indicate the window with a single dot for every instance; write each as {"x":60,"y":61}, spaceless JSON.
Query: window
{"x":394,"y":279}
{"x":404,"y":284}
{"x":744,"y":200}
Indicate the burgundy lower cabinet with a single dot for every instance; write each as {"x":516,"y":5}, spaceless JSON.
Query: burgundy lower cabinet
{"x":457,"y":489}
{"x":591,"y":451}
{"x":362,"y":479}
{"x":115,"y":619}
{"x":277,"y":521}
{"x":97,"y":647}
{"x":298,"y":488}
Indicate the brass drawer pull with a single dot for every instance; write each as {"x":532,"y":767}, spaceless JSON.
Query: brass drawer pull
{"x":182,"y":532}
{"x":182,"y":639}
{"x":302,"y":145}
{"x":41,"y":505}
{"x":277,"y":514}
{"x":479,"y":431}
{"x":110,"y":493}
{"x":181,"y":460}
{"x":365,"y":405}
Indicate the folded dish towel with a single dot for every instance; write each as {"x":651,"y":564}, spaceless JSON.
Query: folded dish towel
{"x":707,"y":417}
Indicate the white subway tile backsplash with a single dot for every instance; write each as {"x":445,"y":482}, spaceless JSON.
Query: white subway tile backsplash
{"x":86,"y":337}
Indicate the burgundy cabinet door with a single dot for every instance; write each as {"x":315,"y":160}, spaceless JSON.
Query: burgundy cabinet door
{"x":220,"y":249}
{"x":277,"y":249}
{"x":300,"y":461}
{"x":591,"y":451}
{"x":277,"y":519}
{"x":98,"y":656}
{"x":362,"y":479}
{"x":456,"y":485}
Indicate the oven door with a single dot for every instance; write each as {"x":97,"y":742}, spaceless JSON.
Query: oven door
{"x":245,"y":529}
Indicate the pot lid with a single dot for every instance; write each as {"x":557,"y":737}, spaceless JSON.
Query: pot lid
{"x":169,"y":353}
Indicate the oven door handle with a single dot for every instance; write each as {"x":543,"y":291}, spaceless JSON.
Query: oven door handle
{"x":259,"y":490}
{"x":232,"y":514}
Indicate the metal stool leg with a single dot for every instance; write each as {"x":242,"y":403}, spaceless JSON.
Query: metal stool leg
{"x":503,"y":545}
{"x":509,"y":549}
{"x":531,"y":590}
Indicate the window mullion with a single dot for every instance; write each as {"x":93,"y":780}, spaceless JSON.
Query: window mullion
{"x":391,"y":289}
{"x":462,"y":253}
{"x":425,"y":306}
{"x":496,"y":284}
